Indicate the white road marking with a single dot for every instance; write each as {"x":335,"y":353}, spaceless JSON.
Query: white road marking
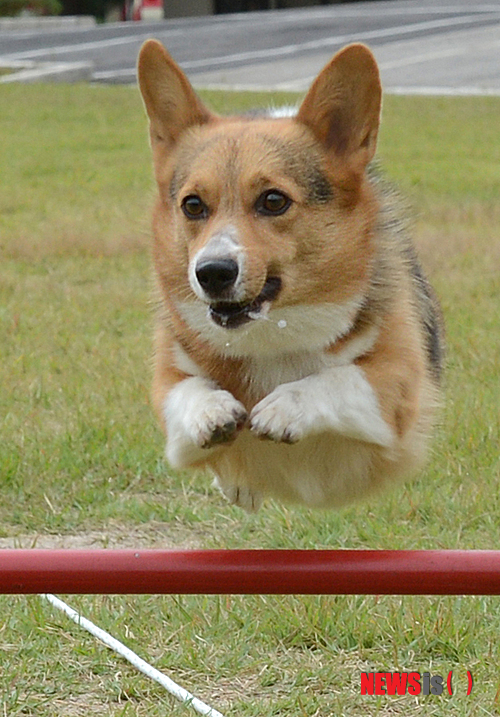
{"x":317,"y":44}
{"x":84,"y":46}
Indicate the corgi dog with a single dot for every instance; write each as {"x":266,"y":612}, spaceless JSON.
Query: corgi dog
{"x":298,"y":343}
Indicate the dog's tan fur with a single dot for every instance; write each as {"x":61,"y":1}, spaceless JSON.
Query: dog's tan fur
{"x":339,"y":369}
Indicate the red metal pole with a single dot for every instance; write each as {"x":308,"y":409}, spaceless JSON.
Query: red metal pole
{"x":218,"y":572}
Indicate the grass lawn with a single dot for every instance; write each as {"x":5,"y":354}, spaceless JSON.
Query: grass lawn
{"x":81,"y":457}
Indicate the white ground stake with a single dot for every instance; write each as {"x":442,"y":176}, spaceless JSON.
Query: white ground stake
{"x":171,"y":686}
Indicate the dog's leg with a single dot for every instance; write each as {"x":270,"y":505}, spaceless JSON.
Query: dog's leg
{"x":339,"y":399}
{"x":199,"y":416}
{"x":246,"y":498}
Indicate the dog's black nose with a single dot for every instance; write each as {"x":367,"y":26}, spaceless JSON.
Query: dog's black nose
{"x":216,"y":276}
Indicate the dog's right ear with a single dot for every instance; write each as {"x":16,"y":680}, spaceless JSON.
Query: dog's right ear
{"x":342,"y":107}
{"x":171,"y":103}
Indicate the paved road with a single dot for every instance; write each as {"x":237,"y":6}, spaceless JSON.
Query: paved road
{"x":421,"y":45}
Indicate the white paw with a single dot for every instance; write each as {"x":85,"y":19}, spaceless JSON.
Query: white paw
{"x":217,"y":419}
{"x":282,"y":415}
{"x":243,"y":497}
{"x":198,"y":417}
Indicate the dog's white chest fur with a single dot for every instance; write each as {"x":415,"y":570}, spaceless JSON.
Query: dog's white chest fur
{"x":266,"y":373}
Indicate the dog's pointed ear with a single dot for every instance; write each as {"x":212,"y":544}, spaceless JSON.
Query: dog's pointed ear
{"x":171,"y":103}
{"x":342,"y":107}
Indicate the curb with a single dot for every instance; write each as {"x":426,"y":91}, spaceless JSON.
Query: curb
{"x":46,"y":23}
{"x":29,"y":71}
{"x":47,"y":72}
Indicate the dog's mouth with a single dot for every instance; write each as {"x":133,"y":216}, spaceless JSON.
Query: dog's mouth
{"x":232,"y":315}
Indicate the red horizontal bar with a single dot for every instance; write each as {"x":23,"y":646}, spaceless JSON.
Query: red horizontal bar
{"x":279,"y":572}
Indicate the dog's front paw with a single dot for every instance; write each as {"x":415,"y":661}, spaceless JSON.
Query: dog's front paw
{"x":218,"y":420}
{"x":280,"y":416}
{"x":199,"y":416}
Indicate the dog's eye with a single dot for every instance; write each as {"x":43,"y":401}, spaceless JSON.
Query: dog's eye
{"x":193,"y":207}
{"x":272,"y":203}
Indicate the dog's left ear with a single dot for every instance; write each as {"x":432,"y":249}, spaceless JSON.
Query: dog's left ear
{"x":171,"y":103}
{"x":342,"y":107}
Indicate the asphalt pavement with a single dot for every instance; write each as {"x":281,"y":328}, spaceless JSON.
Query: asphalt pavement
{"x":421,"y":46}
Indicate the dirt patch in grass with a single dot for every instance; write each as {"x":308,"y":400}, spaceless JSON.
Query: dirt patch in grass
{"x":155,"y":535}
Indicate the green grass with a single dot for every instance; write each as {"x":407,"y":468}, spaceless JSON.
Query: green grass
{"x":81,"y":457}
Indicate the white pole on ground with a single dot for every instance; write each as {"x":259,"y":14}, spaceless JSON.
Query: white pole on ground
{"x":144,"y":667}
